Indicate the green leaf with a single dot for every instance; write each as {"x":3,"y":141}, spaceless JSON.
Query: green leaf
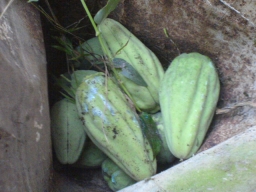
{"x":64,"y":83}
{"x":29,"y":1}
{"x":65,"y":45}
{"x":149,"y":129}
{"x":61,"y":48}
{"x":71,"y":99}
{"x":105,"y":11}
{"x":129,"y":72}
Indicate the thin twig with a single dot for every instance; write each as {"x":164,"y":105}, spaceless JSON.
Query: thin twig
{"x":235,"y":10}
{"x":51,"y":11}
{"x":229,"y":109}
{"x":5,"y":9}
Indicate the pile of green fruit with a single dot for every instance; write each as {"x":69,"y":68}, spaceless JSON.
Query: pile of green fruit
{"x":136,"y":115}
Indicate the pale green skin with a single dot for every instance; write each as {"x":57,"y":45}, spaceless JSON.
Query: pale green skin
{"x":116,"y":37}
{"x":68,"y":133}
{"x":92,"y":51}
{"x":78,"y":76}
{"x":140,"y":94}
{"x":164,"y":156}
{"x":115,"y":177}
{"x":188,"y":95}
{"x":90,"y":157}
{"x":114,"y":127}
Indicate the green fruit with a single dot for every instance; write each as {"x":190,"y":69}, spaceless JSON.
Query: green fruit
{"x":108,"y":168}
{"x":113,"y":126}
{"x":140,"y":95}
{"x":78,"y":76}
{"x":188,"y":94}
{"x":150,"y":131}
{"x":91,"y":156}
{"x":91,"y":51}
{"x":68,"y":133}
{"x":122,"y":44}
{"x":116,"y":178}
{"x":164,"y":156}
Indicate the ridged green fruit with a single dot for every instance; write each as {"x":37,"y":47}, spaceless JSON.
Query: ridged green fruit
{"x":91,"y":50}
{"x":141,"y":95}
{"x":68,"y":133}
{"x":116,"y":178}
{"x":122,"y":44}
{"x":188,"y":94}
{"x":91,"y":156}
{"x":78,"y":76}
{"x":164,"y":156}
{"x":113,"y":126}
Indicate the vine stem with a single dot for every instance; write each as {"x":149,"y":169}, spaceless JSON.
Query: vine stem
{"x":107,"y":52}
{"x":90,"y":17}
